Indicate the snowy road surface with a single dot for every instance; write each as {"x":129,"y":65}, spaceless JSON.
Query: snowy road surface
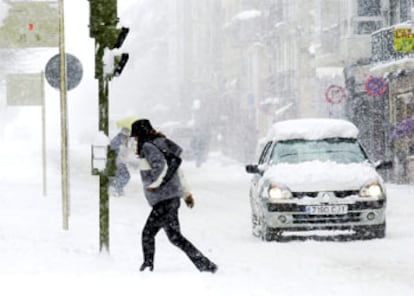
{"x":38,"y":257}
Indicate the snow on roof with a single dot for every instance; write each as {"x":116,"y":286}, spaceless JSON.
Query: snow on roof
{"x":283,"y":109}
{"x":247,"y":14}
{"x":393,"y":65}
{"x":312,"y":129}
{"x":270,"y":101}
{"x":329,"y":71}
{"x":405,"y":25}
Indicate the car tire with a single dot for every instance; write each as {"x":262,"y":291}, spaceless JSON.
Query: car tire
{"x":255,"y":226}
{"x":370,"y":232}
{"x":277,"y":235}
{"x":269,"y":234}
{"x":379,"y":230}
{"x":265,"y":233}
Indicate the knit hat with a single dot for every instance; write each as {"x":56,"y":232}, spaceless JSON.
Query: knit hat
{"x":141,"y":128}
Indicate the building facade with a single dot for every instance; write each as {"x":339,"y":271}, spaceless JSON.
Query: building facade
{"x":242,"y":65}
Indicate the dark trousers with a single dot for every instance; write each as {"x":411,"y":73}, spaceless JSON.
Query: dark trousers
{"x":165,"y":215}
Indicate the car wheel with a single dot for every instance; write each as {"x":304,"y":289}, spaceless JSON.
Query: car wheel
{"x":379,"y":230}
{"x":266,"y":233}
{"x":370,"y":232}
{"x":277,"y":235}
{"x":255,"y":226}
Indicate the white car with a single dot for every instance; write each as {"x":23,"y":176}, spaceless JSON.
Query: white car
{"x":314,"y":176}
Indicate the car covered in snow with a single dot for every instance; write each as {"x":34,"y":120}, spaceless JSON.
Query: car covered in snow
{"x":314,"y":179}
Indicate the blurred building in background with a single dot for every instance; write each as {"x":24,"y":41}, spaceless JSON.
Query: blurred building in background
{"x":226,"y":70}
{"x":251,"y":63}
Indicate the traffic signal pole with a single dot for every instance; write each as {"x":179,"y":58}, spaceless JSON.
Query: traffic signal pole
{"x":103,"y":107}
{"x":103,"y":28}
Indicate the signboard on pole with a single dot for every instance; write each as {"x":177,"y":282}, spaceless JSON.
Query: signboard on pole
{"x":375,"y":86}
{"x":335,"y":94}
{"x":27,"y":89}
{"x":74,"y":71}
{"x":403,"y":39}
{"x":30,"y":24}
{"x":24,"y":89}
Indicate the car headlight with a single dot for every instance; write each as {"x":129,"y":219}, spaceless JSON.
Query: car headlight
{"x":373,"y":189}
{"x":277,"y":192}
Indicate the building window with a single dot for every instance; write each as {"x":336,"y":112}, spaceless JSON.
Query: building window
{"x":405,"y":10}
{"x":400,"y":11}
{"x":368,"y":18}
{"x":369,"y":7}
{"x":367,"y":27}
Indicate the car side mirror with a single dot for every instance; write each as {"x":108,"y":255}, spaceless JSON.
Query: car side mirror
{"x":253,"y":169}
{"x":383,"y":165}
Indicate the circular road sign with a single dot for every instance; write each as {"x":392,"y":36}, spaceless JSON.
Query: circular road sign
{"x":335,"y":94}
{"x":74,"y":71}
{"x":375,"y":86}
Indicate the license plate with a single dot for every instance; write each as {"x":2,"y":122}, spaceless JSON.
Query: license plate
{"x":327,"y":210}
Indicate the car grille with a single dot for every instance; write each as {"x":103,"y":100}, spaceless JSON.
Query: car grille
{"x":316,"y":219}
{"x":300,"y":217}
{"x":339,"y":194}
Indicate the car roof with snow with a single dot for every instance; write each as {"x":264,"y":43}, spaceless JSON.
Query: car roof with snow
{"x":312,"y":129}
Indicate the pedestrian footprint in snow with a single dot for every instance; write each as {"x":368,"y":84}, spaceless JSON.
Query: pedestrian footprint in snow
{"x":164,"y":186}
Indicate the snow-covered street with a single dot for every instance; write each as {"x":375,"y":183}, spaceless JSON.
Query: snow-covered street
{"x":40,"y":258}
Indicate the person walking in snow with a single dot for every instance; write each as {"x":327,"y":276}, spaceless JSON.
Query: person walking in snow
{"x":122,"y":176}
{"x":163,"y":188}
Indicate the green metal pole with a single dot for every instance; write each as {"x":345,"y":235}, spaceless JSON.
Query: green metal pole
{"x":103,"y":213}
{"x":103,"y":126}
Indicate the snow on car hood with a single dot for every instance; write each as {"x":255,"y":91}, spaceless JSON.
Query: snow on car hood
{"x":321,"y":176}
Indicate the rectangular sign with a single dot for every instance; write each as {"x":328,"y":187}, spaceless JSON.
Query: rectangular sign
{"x":30,"y":24}
{"x":25,"y":89}
{"x":403,"y":39}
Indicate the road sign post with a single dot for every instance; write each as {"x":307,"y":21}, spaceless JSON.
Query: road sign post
{"x":74,"y":71}
{"x":27,"y":89}
{"x":335,"y":94}
{"x":375,"y":86}
{"x":63,"y":120}
{"x":30,"y":24}
{"x":103,"y":28}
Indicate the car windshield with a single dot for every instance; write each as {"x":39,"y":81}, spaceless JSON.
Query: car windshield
{"x":339,"y":150}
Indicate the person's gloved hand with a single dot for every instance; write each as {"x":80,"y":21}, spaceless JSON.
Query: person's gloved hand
{"x":152,"y":189}
{"x":189,"y":201}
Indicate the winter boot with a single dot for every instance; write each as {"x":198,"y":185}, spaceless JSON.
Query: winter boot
{"x":210,"y":267}
{"x":144,"y":265}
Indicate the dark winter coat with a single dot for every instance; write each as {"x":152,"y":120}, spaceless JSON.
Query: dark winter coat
{"x":153,"y":166}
